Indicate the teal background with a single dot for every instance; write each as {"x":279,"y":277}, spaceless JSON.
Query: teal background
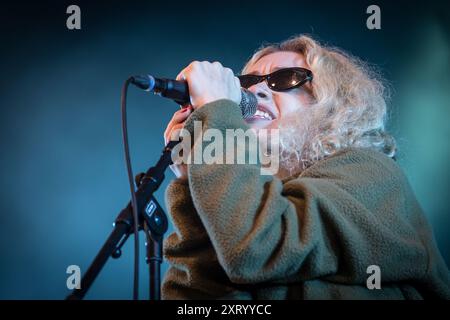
{"x":63,"y":176}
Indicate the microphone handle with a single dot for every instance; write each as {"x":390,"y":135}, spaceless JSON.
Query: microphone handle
{"x":178,"y":91}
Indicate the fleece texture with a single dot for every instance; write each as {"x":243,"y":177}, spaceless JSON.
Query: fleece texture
{"x":243,"y":235}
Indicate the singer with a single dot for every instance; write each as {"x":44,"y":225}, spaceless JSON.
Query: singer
{"x":338,"y":207}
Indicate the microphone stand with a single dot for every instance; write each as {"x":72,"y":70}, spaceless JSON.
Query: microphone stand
{"x":152,"y":219}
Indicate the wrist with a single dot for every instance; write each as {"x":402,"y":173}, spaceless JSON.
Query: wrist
{"x":209,"y":99}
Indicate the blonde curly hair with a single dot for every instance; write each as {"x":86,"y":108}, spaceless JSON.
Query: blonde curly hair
{"x":349,"y":103}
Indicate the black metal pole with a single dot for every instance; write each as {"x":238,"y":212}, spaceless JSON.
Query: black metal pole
{"x":121,"y":230}
{"x":154,"y":260}
{"x":150,"y":212}
{"x":155,"y":272}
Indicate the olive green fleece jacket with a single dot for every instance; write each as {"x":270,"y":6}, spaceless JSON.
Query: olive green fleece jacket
{"x":243,"y":235}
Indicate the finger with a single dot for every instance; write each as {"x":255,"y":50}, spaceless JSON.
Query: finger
{"x":237,"y":82}
{"x":174,"y":133}
{"x":181,"y":115}
{"x":229,"y":72}
{"x":187,"y":105}
{"x":172,"y":124}
{"x":184,"y":74}
{"x":217,"y":64}
{"x":181,"y":76}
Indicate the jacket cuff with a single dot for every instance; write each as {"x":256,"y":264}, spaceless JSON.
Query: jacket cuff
{"x":219,"y":114}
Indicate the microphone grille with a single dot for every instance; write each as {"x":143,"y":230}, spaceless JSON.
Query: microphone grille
{"x":248,"y":103}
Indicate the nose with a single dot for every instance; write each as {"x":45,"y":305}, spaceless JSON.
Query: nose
{"x":261,"y":91}
{"x":261,"y":94}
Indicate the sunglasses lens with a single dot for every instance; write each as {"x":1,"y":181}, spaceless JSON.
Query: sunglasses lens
{"x":286,"y":79}
{"x":249,"y":80}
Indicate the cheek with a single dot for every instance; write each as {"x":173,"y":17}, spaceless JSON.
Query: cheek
{"x":288,"y":104}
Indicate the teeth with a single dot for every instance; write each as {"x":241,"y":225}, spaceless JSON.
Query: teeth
{"x":263,"y":114}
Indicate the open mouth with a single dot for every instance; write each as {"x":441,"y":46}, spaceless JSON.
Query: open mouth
{"x":262,"y":113}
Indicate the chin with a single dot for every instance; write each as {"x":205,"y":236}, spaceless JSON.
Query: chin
{"x":261,"y":124}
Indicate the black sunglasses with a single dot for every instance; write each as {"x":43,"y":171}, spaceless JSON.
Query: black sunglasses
{"x":280,"y":80}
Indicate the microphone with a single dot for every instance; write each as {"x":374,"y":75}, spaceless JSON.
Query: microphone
{"x":179,"y":92}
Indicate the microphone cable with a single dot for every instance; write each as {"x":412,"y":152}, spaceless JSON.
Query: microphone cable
{"x":132,"y":188}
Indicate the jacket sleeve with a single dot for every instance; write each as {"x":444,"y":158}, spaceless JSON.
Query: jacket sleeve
{"x":194,"y":271}
{"x":340,"y":216}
